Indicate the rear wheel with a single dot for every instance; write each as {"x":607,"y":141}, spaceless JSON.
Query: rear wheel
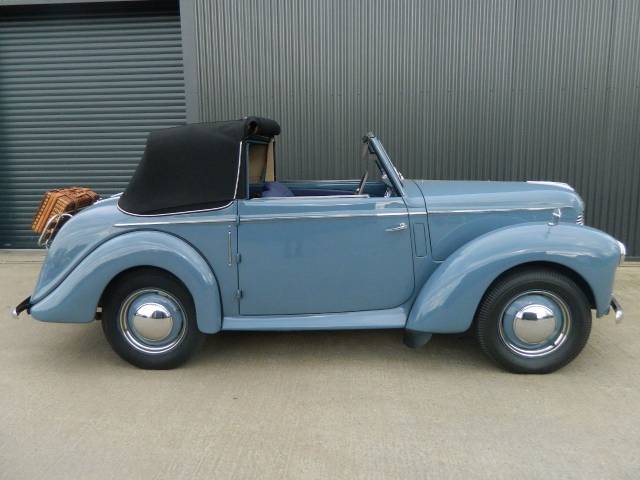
{"x":149,"y":320}
{"x":533,"y":321}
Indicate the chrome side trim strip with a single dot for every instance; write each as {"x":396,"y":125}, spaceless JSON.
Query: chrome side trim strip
{"x":488,"y":210}
{"x":307,"y":197}
{"x":258,"y":218}
{"x":224,"y":219}
{"x":314,"y":216}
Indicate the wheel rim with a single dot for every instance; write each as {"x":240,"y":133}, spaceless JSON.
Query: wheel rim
{"x":535,"y":323}
{"x":152,"y":321}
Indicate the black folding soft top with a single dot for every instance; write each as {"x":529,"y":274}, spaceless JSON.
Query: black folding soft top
{"x":192,"y":167}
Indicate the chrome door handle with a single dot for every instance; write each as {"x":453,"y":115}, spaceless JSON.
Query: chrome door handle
{"x":401,"y":226}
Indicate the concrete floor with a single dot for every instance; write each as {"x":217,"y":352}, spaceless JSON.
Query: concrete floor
{"x":311,"y":405}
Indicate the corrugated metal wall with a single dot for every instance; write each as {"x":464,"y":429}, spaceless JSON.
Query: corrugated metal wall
{"x":80,"y":88}
{"x":456,"y":89}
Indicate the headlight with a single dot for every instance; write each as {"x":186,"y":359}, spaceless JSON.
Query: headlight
{"x":623,"y":252}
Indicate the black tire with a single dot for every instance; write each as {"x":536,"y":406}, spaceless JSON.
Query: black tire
{"x":150,"y":280}
{"x":489,"y":327}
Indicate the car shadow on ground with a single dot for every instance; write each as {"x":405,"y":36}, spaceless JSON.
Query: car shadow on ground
{"x":340,"y":348}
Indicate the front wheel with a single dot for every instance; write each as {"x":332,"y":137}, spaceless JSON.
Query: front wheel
{"x":533,"y":321}
{"x":149,"y":319}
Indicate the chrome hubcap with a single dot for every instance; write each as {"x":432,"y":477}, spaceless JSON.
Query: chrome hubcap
{"x":152,"y":321}
{"x":535,"y":323}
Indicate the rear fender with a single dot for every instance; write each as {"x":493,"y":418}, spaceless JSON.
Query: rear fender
{"x":76,"y":298}
{"x":449,"y":299}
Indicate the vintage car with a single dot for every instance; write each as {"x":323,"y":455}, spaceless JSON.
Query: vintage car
{"x":206,"y":237}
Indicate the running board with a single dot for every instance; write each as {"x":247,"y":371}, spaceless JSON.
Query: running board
{"x":372,"y":319}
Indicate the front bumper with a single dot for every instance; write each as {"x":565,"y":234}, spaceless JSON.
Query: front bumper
{"x":22,"y":306}
{"x":617,"y":309}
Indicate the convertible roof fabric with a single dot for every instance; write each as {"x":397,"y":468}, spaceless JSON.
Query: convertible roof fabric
{"x":192,"y":167}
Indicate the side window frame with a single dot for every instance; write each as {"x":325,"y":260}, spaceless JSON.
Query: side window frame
{"x":244,"y":167}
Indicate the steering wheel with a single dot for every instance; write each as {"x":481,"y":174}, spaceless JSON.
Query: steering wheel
{"x":362,"y":183}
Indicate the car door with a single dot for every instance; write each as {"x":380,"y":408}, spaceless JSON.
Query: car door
{"x":311,"y":255}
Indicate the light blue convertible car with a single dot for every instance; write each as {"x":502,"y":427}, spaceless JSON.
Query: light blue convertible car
{"x":207,"y":237}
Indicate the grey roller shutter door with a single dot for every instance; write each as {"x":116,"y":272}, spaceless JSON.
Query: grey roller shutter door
{"x":79,"y":92}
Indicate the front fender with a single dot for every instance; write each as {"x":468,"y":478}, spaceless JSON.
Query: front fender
{"x":76,"y":298}
{"x":448,"y":301}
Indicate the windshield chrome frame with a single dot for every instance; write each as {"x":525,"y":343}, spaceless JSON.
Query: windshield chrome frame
{"x":386,"y":163}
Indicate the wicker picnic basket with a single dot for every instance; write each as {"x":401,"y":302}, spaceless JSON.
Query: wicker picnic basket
{"x":56,"y":203}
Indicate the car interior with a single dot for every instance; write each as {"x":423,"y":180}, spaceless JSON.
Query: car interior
{"x":262,"y":181}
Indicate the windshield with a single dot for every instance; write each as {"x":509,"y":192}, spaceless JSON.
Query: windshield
{"x":388,"y":169}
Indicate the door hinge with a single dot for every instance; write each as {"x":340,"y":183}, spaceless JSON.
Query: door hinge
{"x":238,"y":258}
{"x":238,"y":294}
